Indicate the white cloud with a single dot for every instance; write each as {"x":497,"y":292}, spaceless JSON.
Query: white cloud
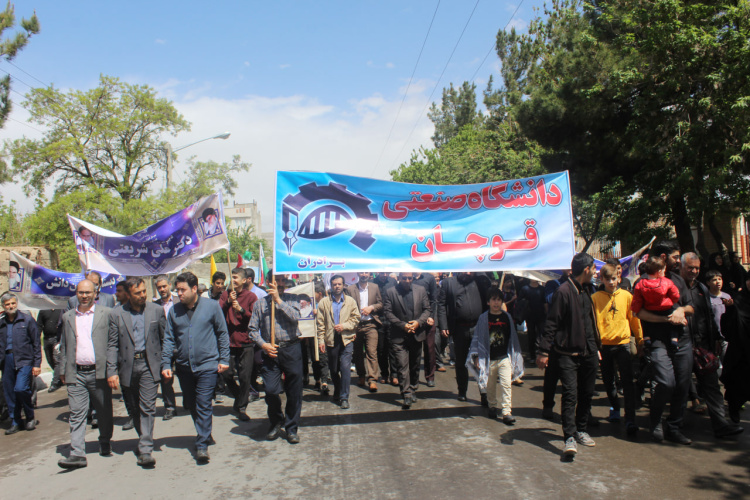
{"x":519,"y":24}
{"x":160,"y":41}
{"x":284,"y":66}
{"x":246,"y":63}
{"x":294,"y":132}
{"x":300,"y":133}
{"x":389,"y":65}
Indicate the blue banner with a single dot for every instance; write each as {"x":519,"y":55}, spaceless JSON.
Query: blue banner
{"x":40,"y":288}
{"x":327,"y":222}
{"x":167,"y":246}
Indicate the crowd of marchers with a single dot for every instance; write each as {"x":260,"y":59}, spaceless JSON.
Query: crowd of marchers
{"x":679,"y":333}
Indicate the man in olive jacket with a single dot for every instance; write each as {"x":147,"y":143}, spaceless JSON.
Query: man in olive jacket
{"x":337,"y":320}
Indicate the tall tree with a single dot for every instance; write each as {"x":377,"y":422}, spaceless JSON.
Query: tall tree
{"x":458,"y":110}
{"x":9,"y":47}
{"x":653,"y":93}
{"x":109,"y":137}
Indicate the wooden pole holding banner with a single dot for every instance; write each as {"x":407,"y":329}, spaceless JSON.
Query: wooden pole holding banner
{"x":273,"y":316}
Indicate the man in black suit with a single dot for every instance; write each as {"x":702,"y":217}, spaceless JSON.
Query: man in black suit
{"x":136,"y":332}
{"x":407,"y":309}
{"x":461,"y":300}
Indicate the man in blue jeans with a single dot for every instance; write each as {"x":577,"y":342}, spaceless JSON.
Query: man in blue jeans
{"x":337,"y":320}
{"x":197,"y":336}
{"x":20,"y":361}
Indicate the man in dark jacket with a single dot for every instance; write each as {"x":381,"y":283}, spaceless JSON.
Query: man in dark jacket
{"x":20,"y":361}
{"x":407,"y":309}
{"x":461,"y":300}
{"x":572,"y":332}
{"x":704,"y":333}
{"x":196,"y":338}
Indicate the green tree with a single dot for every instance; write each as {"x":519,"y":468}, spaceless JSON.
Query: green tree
{"x":655,"y":94}
{"x":109,"y":137}
{"x":9,"y":47}
{"x":240,"y":240}
{"x":458,"y":110}
{"x":474,"y":156}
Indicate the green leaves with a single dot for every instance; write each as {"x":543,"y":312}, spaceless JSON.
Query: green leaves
{"x":109,"y":137}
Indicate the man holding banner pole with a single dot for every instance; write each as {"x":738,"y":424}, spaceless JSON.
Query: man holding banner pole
{"x":274,"y":328}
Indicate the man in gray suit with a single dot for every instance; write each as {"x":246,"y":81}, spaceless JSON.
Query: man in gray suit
{"x":136,"y":331}
{"x":83,"y":351}
{"x":407,"y":309}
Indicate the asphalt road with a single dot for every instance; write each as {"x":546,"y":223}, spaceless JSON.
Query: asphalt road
{"x":441,"y":448}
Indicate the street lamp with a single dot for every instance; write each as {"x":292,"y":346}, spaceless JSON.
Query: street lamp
{"x":170,"y":151}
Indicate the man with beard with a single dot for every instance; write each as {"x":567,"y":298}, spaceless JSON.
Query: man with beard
{"x":672,"y":365}
{"x":370,"y":304}
{"x":462,"y":298}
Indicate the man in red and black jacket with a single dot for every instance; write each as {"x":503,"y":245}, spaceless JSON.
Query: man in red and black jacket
{"x":571,"y":331}
{"x":237,"y":306}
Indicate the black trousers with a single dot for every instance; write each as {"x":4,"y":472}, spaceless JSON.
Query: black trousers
{"x":408,"y":357}
{"x":709,"y":389}
{"x":578,"y":377}
{"x":241,"y":362}
{"x":551,"y":378}
{"x":671,"y":369}
{"x":534,"y":330}
{"x":167,"y":393}
{"x":386,"y":356}
{"x":288,"y":362}
{"x":462,"y":336}
{"x":618,"y":357}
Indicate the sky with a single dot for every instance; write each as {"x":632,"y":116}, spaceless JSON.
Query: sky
{"x":300,"y":85}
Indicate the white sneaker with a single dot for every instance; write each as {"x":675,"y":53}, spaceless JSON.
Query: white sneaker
{"x":571,"y":448}
{"x":584,"y":439}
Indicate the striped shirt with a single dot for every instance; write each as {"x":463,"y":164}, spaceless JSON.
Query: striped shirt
{"x":287,"y":314}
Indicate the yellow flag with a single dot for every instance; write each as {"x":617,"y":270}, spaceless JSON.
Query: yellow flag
{"x":213,"y":268}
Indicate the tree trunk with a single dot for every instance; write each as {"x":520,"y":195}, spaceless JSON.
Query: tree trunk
{"x":718,"y":237}
{"x":682,"y":224}
{"x":700,"y":245}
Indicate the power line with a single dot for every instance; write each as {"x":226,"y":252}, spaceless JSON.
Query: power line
{"x":429,"y":99}
{"x":15,"y":77}
{"x":495,"y":43}
{"x":29,"y":74}
{"x":24,"y":124}
{"x":408,"y":86}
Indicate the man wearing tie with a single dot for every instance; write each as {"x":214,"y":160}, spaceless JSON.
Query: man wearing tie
{"x":136,"y":331}
{"x":83,"y":354}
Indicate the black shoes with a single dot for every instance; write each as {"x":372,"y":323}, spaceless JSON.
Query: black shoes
{"x":201,"y":456}
{"x":728,"y":431}
{"x":169,"y":414}
{"x":31,"y":425}
{"x":407,"y":403}
{"x":72,"y":462}
{"x":128,"y":425}
{"x":292,"y":437}
{"x":462,"y":397}
{"x":253,"y":398}
{"x":509,"y":419}
{"x":274,"y":432}
{"x":53,"y":387}
{"x":105,"y":449}
{"x":485,"y":402}
{"x":145,"y":460}
{"x":242,"y":415}
{"x":492,"y":413}
{"x":13,"y":429}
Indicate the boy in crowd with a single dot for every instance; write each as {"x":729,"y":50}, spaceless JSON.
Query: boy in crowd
{"x":719,"y":301}
{"x":496,"y":352}
{"x":659,"y":295}
{"x":612,"y":308}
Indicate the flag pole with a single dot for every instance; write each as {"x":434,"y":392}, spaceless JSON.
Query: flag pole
{"x":273,"y":316}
